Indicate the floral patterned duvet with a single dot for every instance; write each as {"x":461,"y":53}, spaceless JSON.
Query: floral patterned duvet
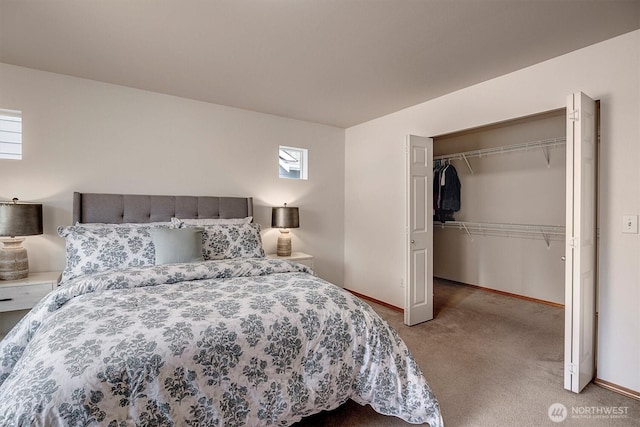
{"x":252,"y":342}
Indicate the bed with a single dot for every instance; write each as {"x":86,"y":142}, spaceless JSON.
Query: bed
{"x":169,"y":314}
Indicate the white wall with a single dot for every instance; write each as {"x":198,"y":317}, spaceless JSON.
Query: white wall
{"x":375,"y":181}
{"x":87,"y":136}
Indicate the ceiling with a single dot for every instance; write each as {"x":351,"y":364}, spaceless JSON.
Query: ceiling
{"x":335,"y":62}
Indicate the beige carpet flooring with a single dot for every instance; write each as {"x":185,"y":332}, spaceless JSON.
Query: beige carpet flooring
{"x":491,"y":360}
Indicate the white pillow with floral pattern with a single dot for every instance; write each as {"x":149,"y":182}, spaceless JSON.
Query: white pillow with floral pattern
{"x":225,"y":241}
{"x":92,"y":250}
{"x":181,"y":223}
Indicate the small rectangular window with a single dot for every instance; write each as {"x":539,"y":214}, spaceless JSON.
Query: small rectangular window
{"x":293,"y":162}
{"x":10,"y":134}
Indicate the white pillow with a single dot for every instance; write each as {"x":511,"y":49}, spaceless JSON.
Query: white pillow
{"x":97,"y":249}
{"x":91,"y":225}
{"x":177,"y":222}
{"x":225,"y":241}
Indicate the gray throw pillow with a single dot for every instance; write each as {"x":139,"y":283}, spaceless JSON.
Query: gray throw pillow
{"x":174,"y":245}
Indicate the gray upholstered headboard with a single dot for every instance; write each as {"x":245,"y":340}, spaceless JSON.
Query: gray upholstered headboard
{"x":139,"y":208}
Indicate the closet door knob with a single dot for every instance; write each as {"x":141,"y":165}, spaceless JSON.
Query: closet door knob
{"x":413,"y":241}
{"x":563,"y":258}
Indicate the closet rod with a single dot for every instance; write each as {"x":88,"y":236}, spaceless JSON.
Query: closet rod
{"x":525,"y":146}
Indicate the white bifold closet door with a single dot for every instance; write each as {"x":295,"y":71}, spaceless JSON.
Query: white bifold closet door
{"x":418,"y":305}
{"x":580,"y":253}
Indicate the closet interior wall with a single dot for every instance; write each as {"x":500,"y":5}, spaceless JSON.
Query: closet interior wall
{"x":519,"y":187}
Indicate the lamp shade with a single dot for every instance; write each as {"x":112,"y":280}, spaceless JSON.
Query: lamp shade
{"x":285,"y":217}
{"x":20,"y":219}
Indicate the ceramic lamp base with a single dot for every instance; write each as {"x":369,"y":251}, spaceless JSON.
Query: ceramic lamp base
{"x":14,"y":263}
{"x":284,"y":243}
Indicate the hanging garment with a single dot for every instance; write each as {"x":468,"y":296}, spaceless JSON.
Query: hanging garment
{"x":446,"y":192}
{"x":436,"y":185}
{"x":450,"y":189}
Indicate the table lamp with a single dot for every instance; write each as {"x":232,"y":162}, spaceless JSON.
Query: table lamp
{"x":17,"y":219}
{"x":284,"y":218}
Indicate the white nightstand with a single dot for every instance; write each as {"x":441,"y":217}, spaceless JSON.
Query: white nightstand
{"x":300,"y":257}
{"x":17,"y":296}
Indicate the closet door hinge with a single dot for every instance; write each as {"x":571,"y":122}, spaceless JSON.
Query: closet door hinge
{"x":571,"y":368}
{"x":574,"y":115}
{"x":572,"y":242}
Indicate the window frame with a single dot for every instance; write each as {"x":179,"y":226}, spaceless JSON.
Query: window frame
{"x":10,"y":134}
{"x":288,"y":162}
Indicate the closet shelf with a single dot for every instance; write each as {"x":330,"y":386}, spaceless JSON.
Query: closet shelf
{"x":547,"y":232}
{"x":543,"y":144}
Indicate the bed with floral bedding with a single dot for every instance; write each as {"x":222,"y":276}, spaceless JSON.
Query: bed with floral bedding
{"x":239,"y":341}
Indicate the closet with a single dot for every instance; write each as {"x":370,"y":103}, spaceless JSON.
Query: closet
{"x":509,"y":234}
{"x":527,"y":224}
